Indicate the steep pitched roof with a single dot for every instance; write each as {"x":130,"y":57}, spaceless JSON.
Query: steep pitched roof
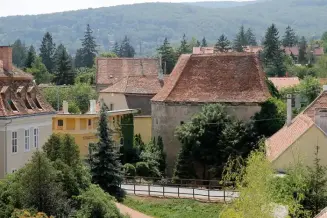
{"x":112,"y":70}
{"x":225,"y":77}
{"x":319,"y":103}
{"x":286,"y":136}
{"x":284,"y":82}
{"x":149,"y":84}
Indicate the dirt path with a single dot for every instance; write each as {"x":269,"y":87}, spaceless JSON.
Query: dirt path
{"x":130,"y":212}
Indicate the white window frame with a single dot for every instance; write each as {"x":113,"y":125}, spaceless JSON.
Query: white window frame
{"x":14,"y":145}
{"x":27,"y":146}
{"x":36,"y":137}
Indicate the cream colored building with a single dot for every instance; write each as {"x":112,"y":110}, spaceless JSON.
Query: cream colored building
{"x":25,"y":117}
{"x":298,"y":140}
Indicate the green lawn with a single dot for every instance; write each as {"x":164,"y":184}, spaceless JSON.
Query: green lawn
{"x":170,"y":208}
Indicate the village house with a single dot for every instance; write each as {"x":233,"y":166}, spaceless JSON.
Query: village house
{"x":316,"y":51}
{"x":233,"y":79}
{"x":83,"y":127}
{"x":25,"y":116}
{"x":112,"y":70}
{"x":298,"y":139}
{"x":284,"y":82}
{"x":211,"y":50}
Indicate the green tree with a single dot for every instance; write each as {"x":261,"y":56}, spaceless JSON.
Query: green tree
{"x":126,"y":49}
{"x":162,"y":156}
{"x":271,"y":117}
{"x":204,"y":42}
{"x":168,"y":56}
{"x":303,"y":51}
{"x":31,"y":56}
{"x":316,"y":196}
{"x":237,"y":44}
{"x":69,"y":151}
{"x":223,"y":44}
{"x":53,"y":146}
{"x":78,"y":60}
{"x":40,"y":189}
{"x":19,"y":53}
{"x":89,"y":50}
{"x":184,"y":47}
{"x":106,"y":168}
{"x":289,"y":39}
{"x":273,"y":57}
{"x":47,"y":51}
{"x":96,"y":203}
{"x":242,"y":36}
{"x":85,"y":75}
{"x":193,"y":43}
{"x":108,"y":55}
{"x":211,"y":137}
{"x":184,"y":168}
{"x":250,"y":37}
{"x":116,"y":49}
{"x":63,"y":67}
{"x":39,"y":71}
{"x":310,"y":88}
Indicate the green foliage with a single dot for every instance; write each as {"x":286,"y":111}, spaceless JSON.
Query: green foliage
{"x":168,"y":56}
{"x":204,"y":42}
{"x":108,"y":55}
{"x":47,"y":51}
{"x":240,"y":40}
{"x":129,"y":170}
{"x":321,"y":66}
{"x":289,"y":39}
{"x":105,"y":165}
{"x":209,"y":139}
{"x":142,"y":169}
{"x":73,"y":108}
{"x":184,"y":47}
{"x":27,"y":214}
{"x":162,"y":156}
{"x":250,"y":37}
{"x":223,"y":44}
{"x":96,"y":203}
{"x":31,"y":56}
{"x":310,"y":88}
{"x":89,"y":48}
{"x":19,"y":53}
{"x":85,"y":75}
{"x":272,"y":89}
{"x":39,"y":71}
{"x":303,"y":51}
{"x":173,"y":208}
{"x":126,"y":50}
{"x":63,"y":67}
{"x":272,"y":55}
{"x":271,"y":117}
{"x":80,"y":93}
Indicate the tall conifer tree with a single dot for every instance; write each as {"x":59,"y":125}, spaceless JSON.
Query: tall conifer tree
{"x":126,"y":49}
{"x":303,"y":51}
{"x":168,"y":56}
{"x":289,"y":39}
{"x":63,"y":67}
{"x":184,"y":48}
{"x":31,"y":56}
{"x":89,"y":47}
{"x":250,"y":37}
{"x":223,"y":44}
{"x":204,"y":42}
{"x":47,"y":50}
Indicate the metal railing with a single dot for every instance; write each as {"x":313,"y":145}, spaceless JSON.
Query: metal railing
{"x":210,"y":190}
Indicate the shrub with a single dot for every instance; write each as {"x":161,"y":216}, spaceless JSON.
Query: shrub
{"x":142,"y":169}
{"x":129,"y":170}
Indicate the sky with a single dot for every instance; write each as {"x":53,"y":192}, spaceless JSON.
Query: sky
{"x":25,"y":7}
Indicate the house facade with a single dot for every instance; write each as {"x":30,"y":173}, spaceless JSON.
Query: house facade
{"x":25,"y":116}
{"x":298,"y":140}
{"x":233,"y":79}
{"x":83,"y":127}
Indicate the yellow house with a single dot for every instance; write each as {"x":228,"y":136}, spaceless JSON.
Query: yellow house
{"x":299,"y":139}
{"x":83,"y":127}
{"x":143,"y":126}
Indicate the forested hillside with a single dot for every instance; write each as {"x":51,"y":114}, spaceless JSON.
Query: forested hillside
{"x":148,"y":24}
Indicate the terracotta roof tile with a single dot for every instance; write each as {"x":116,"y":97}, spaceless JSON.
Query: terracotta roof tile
{"x":286,"y":136}
{"x":225,"y":77}
{"x":112,"y":70}
{"x":295,"y":51}
{"x":284,"y":82}
{"x":149,"y":84}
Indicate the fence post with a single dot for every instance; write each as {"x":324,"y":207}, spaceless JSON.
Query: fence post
{"x":224,"y":195}
{"x":149,"y":188}
{"x":134,"y":189}
{"x":209,"y":191}
{"x":193,"y":193}
{"x":163,"y":190}
{"x":178,"y":191}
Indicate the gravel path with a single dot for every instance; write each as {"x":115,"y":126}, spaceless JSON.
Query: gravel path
{"x":130,"y":212}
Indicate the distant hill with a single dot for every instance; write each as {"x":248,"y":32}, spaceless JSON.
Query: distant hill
{"x":148,"y":24}
{"x":220,"y":4}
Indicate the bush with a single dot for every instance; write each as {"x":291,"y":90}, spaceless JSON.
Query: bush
{"x":73,"y":108}
{"x":129,"y":170}
{"x":142,"y":169}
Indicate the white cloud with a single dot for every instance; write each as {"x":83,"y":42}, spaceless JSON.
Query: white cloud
{"x":23,"y":7}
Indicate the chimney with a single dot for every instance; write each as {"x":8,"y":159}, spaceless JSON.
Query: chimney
{"x":65,"y":107}
{"x":6,"y":57}
{"x":289,"y":110}
{"x":160,"y":71}
{"x":92,"y":107}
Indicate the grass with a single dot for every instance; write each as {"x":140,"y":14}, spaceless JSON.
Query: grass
{"x":173,"y":208}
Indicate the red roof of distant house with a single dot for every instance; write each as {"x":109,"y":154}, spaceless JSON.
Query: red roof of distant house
{"x":225,"y":77}
{"x":295,"y":51}
{"x":149,"y":84}
{"x":112,"y":70}
{"x":284,"y":82}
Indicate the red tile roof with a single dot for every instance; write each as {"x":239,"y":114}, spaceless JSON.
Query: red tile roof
{"x":286,"y":136}
{"x":284,"y":82}
{"x":112,"y":70}
{"x":225,"y":77}
{"x":149,"y":84}
{"x":295,"y":51}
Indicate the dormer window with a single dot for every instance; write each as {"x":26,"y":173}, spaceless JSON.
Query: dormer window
{"x":19,"y":91}
{"x":37,"y":104}
{"x":12,"y":105}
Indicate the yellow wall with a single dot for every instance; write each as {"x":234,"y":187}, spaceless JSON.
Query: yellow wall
{"x":143,"y":126}
{"x":303,"y":150}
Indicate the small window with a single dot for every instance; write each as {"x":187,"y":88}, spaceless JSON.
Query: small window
{"x":113,"y":120}
{"x":27,"y":104}
{"x":60,"y":123}
{"x":27,"y":140}
{"x":12,"y":105}
{"x":14,"y":142}
{"x":13,"y":170}
{"x":111,"y":107}
{"x":37,"y":104}
{"x":90,"y":122}
{"x":36,"y":138}
{"x":182,"y":122}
